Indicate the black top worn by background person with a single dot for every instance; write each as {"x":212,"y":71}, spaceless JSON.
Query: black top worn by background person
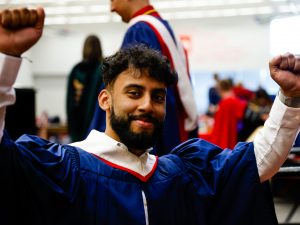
{"x":83,"y":87}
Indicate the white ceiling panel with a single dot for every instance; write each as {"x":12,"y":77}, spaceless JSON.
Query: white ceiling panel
{"x":98,"y":11}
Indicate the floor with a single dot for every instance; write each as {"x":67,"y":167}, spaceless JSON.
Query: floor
{"x":285,"y":186}
{"x":283,"y":208}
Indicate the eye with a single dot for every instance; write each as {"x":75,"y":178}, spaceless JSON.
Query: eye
{"x":134,"y":93}
{"x":159,"y":98}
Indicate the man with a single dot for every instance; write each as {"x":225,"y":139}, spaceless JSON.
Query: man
{"x":110,"y":178}
{"x":146,"y":26}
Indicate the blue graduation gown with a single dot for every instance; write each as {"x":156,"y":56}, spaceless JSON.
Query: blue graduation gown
{"x":198,"y":183}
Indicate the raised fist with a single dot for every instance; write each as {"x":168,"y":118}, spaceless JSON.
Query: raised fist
{"x":20,"y":29}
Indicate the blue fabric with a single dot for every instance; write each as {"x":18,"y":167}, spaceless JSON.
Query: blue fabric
{"x":99,"y":118}
{"x":141,"y":32}
{"x":213,"y":96}
{"x":198,"y":183}
{"x":297,"y":141}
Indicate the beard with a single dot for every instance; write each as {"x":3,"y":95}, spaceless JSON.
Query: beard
{"x":135,"y":140}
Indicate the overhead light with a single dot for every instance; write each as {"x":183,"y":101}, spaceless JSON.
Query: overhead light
{"x":99,"y":8}
{"x":59,"y":20}
{"x":88,"y":19}
{"x":83,"y":11}
{"x":20,"y":2}
{"x":236,"y":2}
{"x":247,"y":11}
{"x":229,"y":12}
{"x":264,"y":10}
{"x":217,"y":13}
{"x":199,"y":3}
{"x":65,"y":10}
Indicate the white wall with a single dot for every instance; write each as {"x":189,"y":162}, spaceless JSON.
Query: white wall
{"x":226,"y":43}
{"x":217,"y":44}
{"x":54,"y":56}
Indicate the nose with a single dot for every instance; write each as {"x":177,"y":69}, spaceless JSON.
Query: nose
{"x":146,"y":104}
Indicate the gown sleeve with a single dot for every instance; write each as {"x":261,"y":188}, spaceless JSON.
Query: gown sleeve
{"x":230,"y":180}
{"x":38,"y":179}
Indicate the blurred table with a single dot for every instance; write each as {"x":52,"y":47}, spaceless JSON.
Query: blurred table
{"x":289,"y":175}
{"x":55,"y":133}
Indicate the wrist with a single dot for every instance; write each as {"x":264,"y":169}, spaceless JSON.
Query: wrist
{"x":293,"y":102}
{"x":10,"y":54}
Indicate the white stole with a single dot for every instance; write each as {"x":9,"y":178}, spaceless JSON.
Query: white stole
{"x":179,"y":61}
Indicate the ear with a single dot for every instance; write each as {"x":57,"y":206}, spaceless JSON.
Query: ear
{"x":104,"y":99}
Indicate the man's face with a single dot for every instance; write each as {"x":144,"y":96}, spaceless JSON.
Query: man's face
{"x":122,"y":8}
{"x":137,"y":109}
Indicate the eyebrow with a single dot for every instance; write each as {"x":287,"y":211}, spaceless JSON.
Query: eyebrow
{"x":163,"y":90}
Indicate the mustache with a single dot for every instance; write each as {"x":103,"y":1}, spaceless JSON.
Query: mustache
{"x":147,"y":117}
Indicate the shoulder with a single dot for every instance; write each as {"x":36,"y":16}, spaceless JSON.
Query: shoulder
{"x":33,"y":141}
{"x":42,"y":152}
{"x":208,"y":168}
{"x":139,"y":25}
{"x":192,"y":155}
{"x":202,"y":158}
{"x":141,"y":32}
{"x":140,"y":29}
{"x":199,"y":148}
{"x":147,"y":27}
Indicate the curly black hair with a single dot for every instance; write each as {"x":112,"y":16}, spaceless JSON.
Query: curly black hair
{"x":139,"y":57}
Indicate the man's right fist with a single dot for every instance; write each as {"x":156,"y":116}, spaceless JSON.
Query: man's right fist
{"x":16,"y":18}
{"x":285,"y":71}
{"x":20,"y":29}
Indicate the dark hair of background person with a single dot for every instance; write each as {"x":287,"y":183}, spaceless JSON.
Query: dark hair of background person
{"x":92,"y":49}
{"x":225,"y":85}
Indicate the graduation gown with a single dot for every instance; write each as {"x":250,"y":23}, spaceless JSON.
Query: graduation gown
{"x":198,"y":183}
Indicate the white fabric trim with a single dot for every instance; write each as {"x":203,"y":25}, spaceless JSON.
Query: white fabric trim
{"x":274,"y":141}
{"x":184,"y":85}
{"x":117,"y":153}
{"x":9,"y":67}
{"x":145,"y":208}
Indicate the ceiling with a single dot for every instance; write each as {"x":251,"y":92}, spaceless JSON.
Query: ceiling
{"x":97,"y":11}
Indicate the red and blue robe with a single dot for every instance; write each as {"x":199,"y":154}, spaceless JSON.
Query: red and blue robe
{"x":43,"y":183}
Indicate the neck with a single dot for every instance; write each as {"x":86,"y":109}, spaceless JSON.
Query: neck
{"x":137,"y":152}
{"x":227,"y":94}
{"x":109,"y":132}
{"x":138,"y":5}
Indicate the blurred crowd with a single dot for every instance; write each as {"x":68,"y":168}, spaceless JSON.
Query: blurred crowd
{"x":234,"y":112}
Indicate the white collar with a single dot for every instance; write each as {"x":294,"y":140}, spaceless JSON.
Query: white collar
{"x":117,"y":155}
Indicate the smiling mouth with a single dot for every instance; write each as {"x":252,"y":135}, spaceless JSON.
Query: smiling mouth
{"x":144,"y":123}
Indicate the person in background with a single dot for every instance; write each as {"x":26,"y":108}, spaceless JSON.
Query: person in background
{"x":110,"y":177}
{"x":229,"y":114}
{"x":213,"y":96}
{"x":243,"y":93}
{"x":256,"y":113}
{"x":148,"y":27}
{"x":84,"y":82}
